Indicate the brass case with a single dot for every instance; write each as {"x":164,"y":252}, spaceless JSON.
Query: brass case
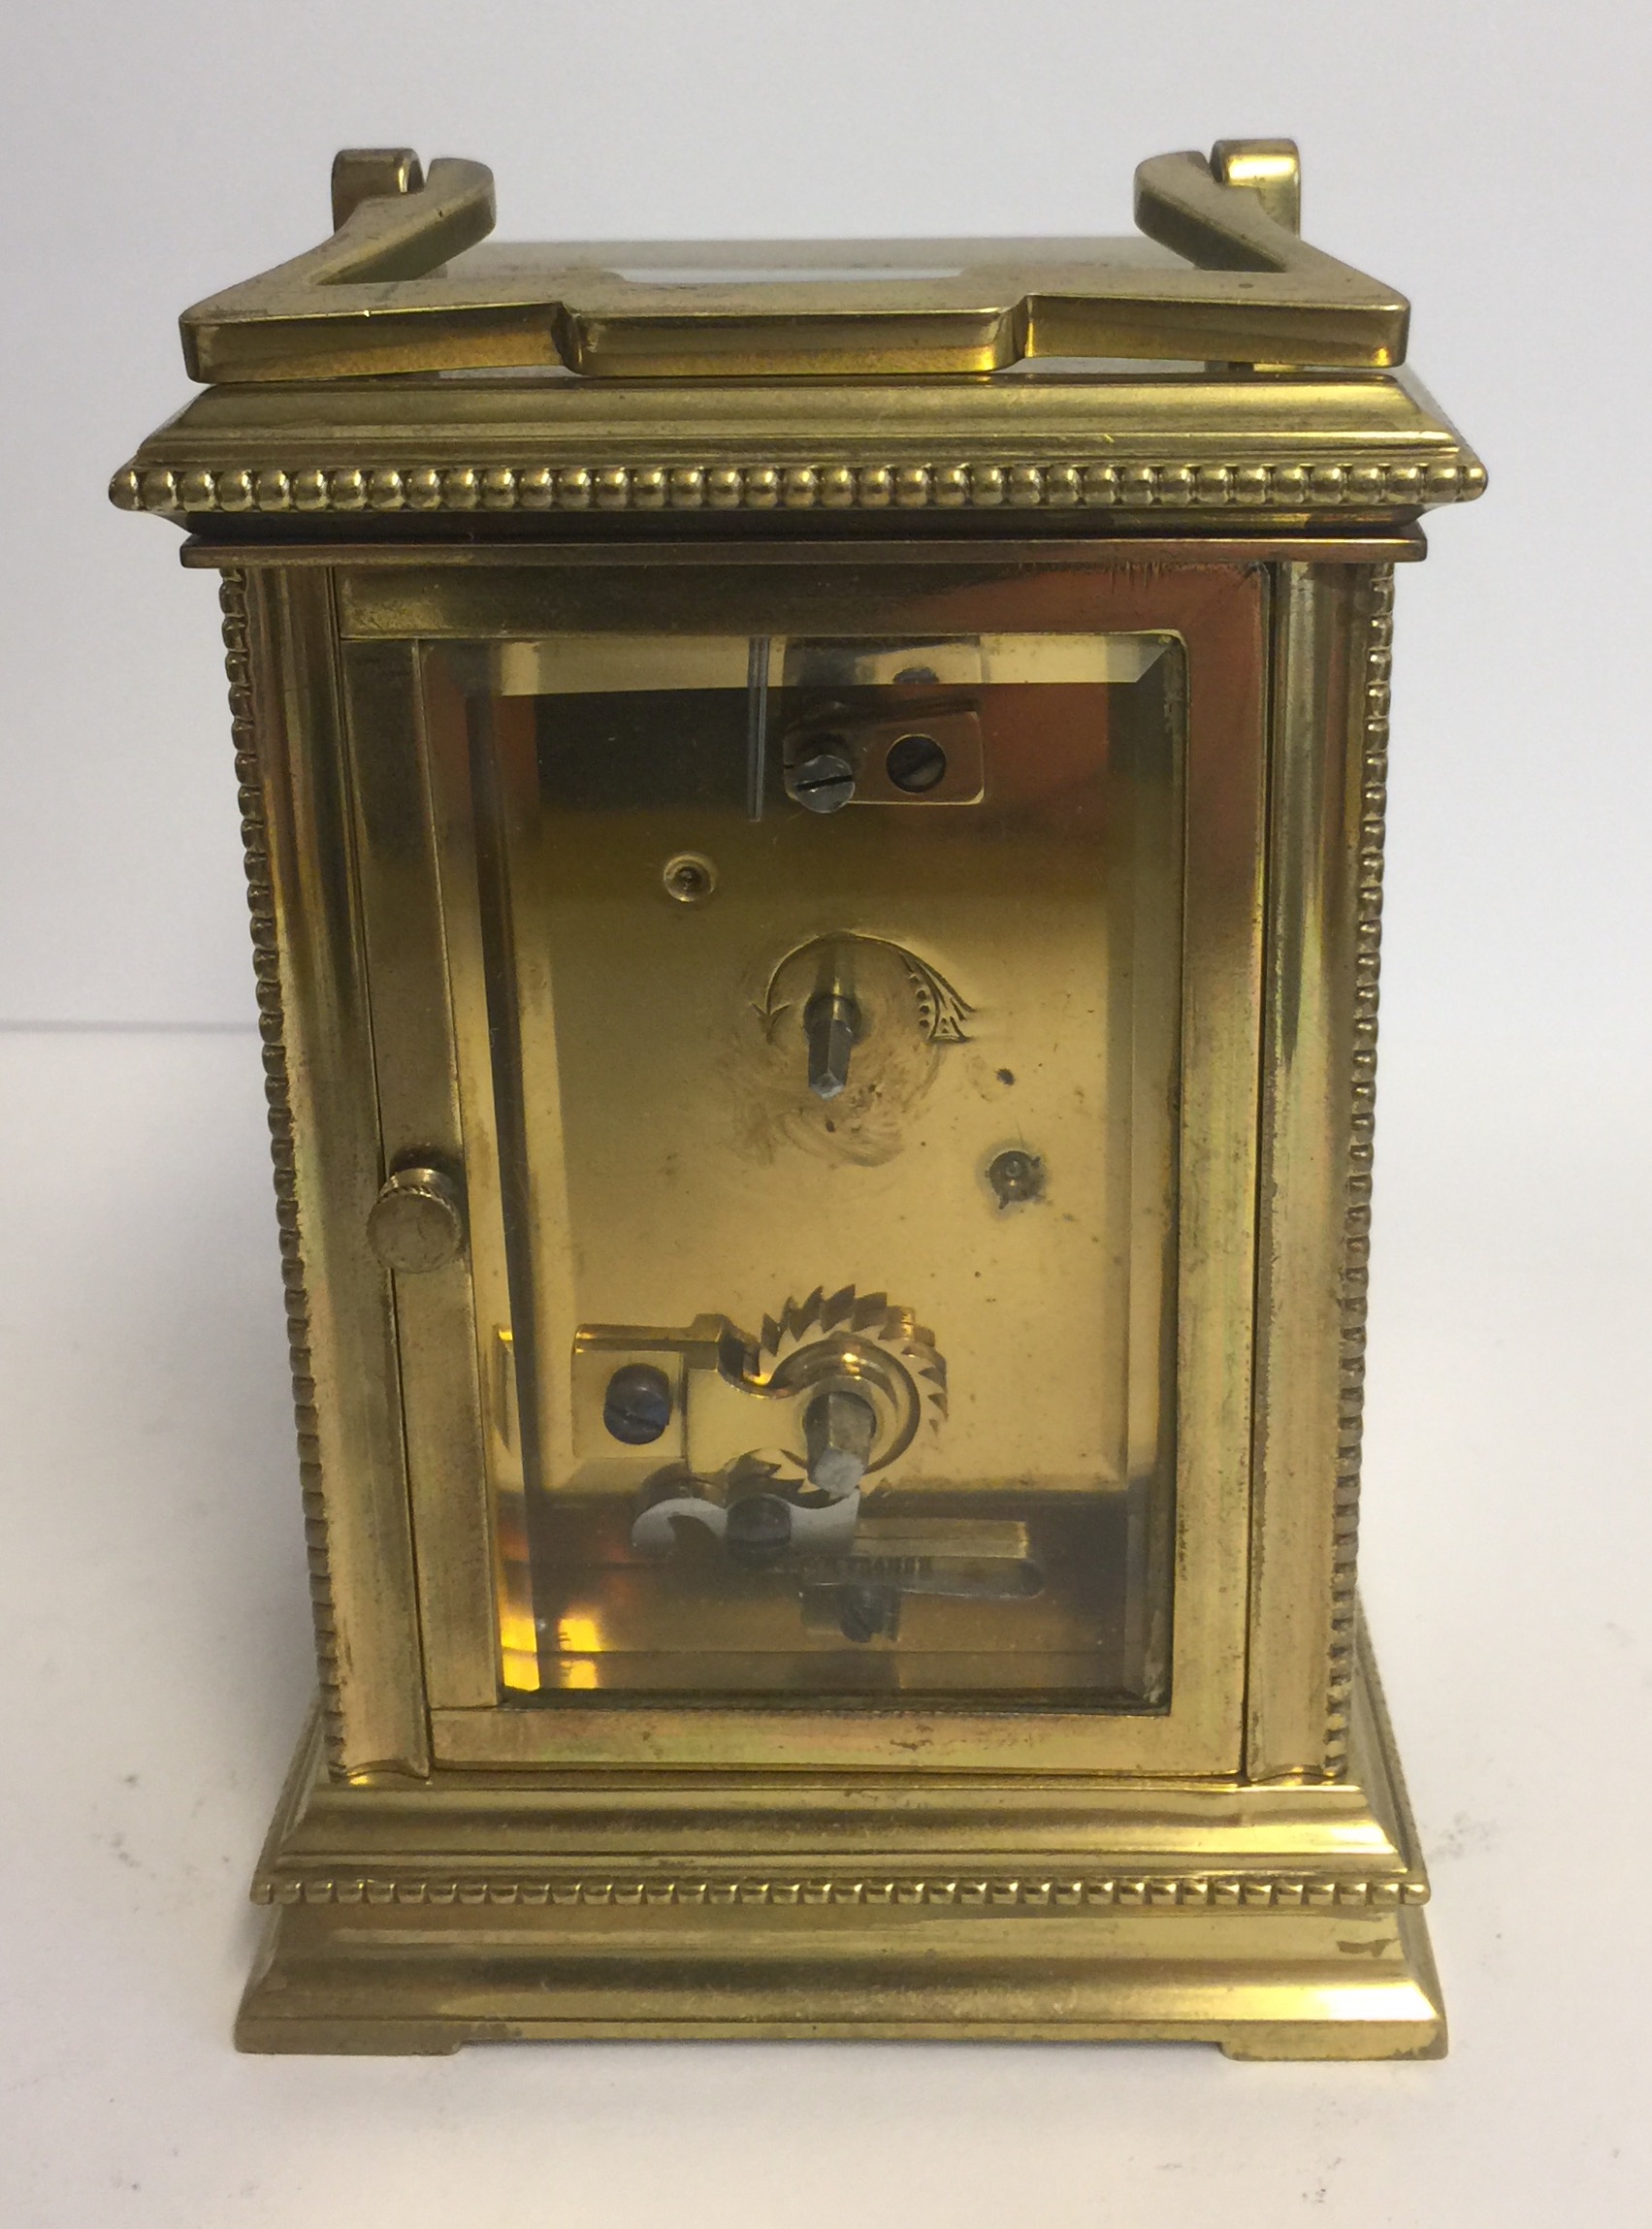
{"x":517,"y":1813}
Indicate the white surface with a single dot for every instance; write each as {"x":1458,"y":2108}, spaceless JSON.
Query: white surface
{"x":153,"y":1640}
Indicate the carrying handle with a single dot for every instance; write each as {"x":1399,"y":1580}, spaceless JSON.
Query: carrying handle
{"x":377,"y":298}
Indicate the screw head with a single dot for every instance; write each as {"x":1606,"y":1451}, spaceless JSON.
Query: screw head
{"x":759,"y":1528}
{"x":689,"y":879}
{"x":1015,"y":1175}
{"x":916,"y":763}
{"x":824,"y":782}
{"x":636,"y":1406}
{"x":869,"y":1612}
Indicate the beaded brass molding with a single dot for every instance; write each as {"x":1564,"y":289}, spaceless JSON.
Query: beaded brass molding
{"x":1357,"y":1229}
{"x":271,"y":1028}
{"x":1378,"y":482}
{"x":1250,"y":1891}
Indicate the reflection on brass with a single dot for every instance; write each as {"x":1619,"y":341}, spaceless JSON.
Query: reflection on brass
{"x":735,"y":804}
{"x":504,"y":1384}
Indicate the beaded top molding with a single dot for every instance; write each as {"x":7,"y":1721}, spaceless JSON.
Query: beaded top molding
{"x":1374,"y":483}
{"x":1218,"y":364}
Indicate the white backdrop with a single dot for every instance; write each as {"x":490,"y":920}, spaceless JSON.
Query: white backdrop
{"x":1489,"y":162}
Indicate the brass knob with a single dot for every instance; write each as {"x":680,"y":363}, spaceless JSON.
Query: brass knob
{"x":417,"y":1222}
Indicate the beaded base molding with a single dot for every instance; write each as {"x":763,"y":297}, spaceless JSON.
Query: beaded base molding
{"x":1248,"y":1892}
{"x":562,"y":1913}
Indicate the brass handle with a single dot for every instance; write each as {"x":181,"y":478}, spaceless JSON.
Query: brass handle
{"x":417,"y":1222}
{"x":378,"y":296}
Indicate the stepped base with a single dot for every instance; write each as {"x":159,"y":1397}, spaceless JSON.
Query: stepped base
{"x":478,"y":1908}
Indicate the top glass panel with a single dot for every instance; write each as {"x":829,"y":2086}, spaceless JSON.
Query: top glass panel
{"x":832,"y":1013}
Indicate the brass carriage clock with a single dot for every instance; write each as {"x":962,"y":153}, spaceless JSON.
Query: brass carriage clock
{"x":814,"y":819}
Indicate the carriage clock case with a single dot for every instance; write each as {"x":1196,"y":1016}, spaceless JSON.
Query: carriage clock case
{"x":814,"y":825}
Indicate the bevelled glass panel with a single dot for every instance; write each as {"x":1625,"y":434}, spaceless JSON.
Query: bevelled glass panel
{"x":832,"y":999}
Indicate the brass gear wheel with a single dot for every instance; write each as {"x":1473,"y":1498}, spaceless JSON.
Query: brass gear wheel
{"x":860,"y":1335}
